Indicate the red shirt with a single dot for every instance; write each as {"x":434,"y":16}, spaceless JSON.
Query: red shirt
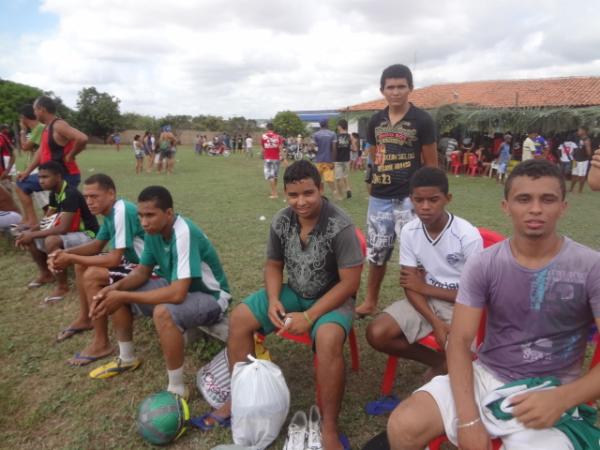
{"x":47,"y":143}
{"x":5,"y":151}
{"x":271,"y":142}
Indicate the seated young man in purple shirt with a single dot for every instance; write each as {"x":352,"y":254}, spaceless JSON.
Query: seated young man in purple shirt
{"x":541,"y":291}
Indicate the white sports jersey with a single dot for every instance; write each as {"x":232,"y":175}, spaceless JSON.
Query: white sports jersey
{"x":444,"y":257}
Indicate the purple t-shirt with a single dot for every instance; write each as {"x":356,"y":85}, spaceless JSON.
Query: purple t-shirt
{"x":324,"y":139}
{"x":537,"y":320}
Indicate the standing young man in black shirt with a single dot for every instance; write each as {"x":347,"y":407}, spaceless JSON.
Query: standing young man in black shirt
{"x":401,"y":139}
{"x":342,"y":159}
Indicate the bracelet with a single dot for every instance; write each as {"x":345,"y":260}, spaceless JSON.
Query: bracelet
{"x":469,"y":424}
{"x":307,"y":318}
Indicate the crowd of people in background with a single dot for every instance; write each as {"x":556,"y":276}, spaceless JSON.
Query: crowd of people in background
{"x":495,"y":155}
{"x":160,"y":264}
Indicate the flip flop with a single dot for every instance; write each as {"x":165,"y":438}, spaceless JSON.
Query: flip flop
{"x":86,"y":359}
{"x":70,"y":332}
{"x":345,"y":442}
{"x":52,"y":299}
{"x":200,"y":421}
{"x":382,"y":406}
{"x":35,"y":284}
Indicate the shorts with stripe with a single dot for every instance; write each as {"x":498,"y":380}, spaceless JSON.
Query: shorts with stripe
{"x":119,"y":272}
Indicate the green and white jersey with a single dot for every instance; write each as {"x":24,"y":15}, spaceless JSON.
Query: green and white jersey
{"x":188,"y":254}
{"x":123,"y":230}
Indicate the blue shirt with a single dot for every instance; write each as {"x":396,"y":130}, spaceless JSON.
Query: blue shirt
{"x":324,"y":139}
{"x":504,"y":153}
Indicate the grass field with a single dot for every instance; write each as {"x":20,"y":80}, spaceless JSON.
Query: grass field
{"x":46,"y":404}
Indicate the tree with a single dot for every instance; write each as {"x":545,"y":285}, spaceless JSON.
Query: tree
{"x":98,"y":112}
{"x":288,"y":123}
{"x":12,"y":97}
{"x":137,"y":121}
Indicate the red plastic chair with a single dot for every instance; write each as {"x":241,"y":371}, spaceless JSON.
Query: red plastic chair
{"x":473,"y":168}
{"x":352,"y":341}
{"x":455,"y":162}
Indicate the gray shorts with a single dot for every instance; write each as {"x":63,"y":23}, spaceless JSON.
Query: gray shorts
{"x":197,"y":309}
{"x":69,"y":240}
{"x":271,"y":169}
{"x":413,"y":325}
{"x":341,"y":169}
{"x":9,"y":218}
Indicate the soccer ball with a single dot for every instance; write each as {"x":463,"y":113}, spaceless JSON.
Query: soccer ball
{"x":162,"y":418}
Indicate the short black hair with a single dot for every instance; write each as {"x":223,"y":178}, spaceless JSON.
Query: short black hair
{"x":160,"y":195}
{"x":584,"y":128}
{"x":270,"y":126}
{"x":52,"y":167}
{"x":27,"y":111}
{"x":343,"y":123}
{"x":301,"y":170}
{"x":47,"y":103}
{"x":396,"y":71}
{"x":536,"y":168}
{"x":102,"y":180}
{"x":429,"y":177}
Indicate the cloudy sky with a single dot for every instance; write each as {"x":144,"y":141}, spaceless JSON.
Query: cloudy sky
{"x":254,"y":58}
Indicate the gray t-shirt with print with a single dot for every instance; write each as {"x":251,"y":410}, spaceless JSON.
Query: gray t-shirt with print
{"x":312,"y":268}
{"x":537,"y":320}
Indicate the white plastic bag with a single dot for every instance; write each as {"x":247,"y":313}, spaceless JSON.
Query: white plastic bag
{"x":260,"y":401}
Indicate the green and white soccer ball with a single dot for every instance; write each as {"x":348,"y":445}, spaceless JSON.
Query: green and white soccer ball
{"x":162,"y":418}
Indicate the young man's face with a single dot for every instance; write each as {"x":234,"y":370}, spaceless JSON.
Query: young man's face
{"x":396,"y":91}
{"x":98,"y":199}
{"x":581,"y":132}
{"x":304,"y":197}
{"x":153,"y":219}
{"x":535,"y":206}
{"x":49,"y":181}
{"x":430,"y":203}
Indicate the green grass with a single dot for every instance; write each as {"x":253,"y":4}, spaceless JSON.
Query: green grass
{"x":48,"y":405}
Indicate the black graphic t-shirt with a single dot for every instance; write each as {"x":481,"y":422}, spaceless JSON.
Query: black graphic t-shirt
{"x":343,"y":147}
{"x":312,"y":268}
{"x":397,"y":150}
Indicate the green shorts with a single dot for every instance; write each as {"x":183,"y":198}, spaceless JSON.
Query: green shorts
{"x":292,"y":302}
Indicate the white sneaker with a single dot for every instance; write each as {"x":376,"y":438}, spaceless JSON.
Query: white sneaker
{"x":314,"y":429}
{"x":296,"y":432}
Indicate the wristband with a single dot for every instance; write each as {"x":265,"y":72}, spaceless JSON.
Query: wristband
{"x":310,"y":322}
{"x":469,"y":424}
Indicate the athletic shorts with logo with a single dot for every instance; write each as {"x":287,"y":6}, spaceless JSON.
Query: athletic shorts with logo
{"x":484,"y":382}
{"x":385,"y":219}
{"x":197,"y":309}
{"x":271,"y":169}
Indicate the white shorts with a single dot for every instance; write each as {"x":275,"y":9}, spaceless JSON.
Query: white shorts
{"x":412,"y":323}
{"x":580,"y":169}
{"x":72,"y":239}
{"x":528,"y":439}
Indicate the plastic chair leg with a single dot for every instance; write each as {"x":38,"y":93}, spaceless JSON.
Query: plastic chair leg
{"x":389,"y":375}
{"x":354,"y":351}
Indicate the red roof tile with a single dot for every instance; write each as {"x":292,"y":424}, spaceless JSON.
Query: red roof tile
{"x":548,"y":92}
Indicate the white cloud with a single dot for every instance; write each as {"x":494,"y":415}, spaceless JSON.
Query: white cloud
{"x":255,"y":58}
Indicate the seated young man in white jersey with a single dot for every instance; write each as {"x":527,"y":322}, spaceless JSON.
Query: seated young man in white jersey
{"x":433,"y":250}
{"x":541,"y":292}
{"x":122,"y":231}
{"x":191,"y":289}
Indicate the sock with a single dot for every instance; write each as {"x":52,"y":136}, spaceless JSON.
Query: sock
{"x":176,"y":384}
{"x":126,"y":352}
